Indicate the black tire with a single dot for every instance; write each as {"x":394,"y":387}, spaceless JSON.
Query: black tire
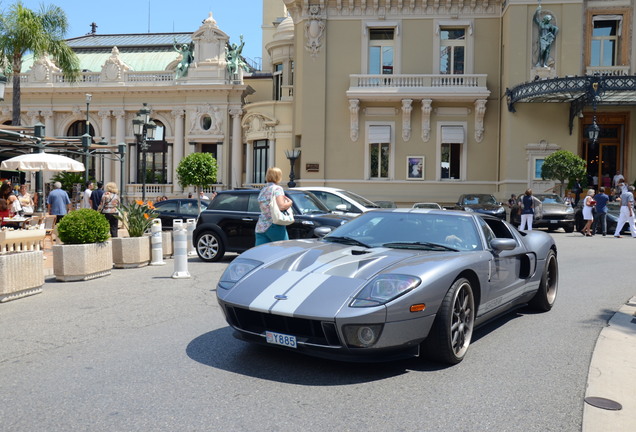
{"x":569,"y":228}
{"x":545,"y":297}
{"x":209,"y":246}
{"x":452,"y":330}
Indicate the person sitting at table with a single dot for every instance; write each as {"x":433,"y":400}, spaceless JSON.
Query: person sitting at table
{"x":26,"y":201}
{"x":6,"y":193}
{"x":5,"y":210}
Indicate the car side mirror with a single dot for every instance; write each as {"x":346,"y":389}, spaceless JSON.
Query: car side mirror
{"x":502,"y":244}
{"x":322,"y":231}
{"x":342,"y":207}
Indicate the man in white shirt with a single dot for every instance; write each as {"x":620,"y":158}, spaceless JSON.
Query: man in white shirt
{"x":627,"y":212}
{"x":86,"y":195}
{"x":617,"y":177}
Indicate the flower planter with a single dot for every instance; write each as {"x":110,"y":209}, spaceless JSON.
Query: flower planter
{"x":77,"y":262}
{"x":21,"y":274}
{"x":131,"y":252}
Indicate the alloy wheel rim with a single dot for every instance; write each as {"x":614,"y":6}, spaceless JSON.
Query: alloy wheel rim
{"x":208,"y":246}
{"x":462,"y":320}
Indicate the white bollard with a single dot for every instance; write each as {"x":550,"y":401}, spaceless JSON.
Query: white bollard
{"x":192,"y":223}
{"x":180,"y":249}
{"x":157,"y":243}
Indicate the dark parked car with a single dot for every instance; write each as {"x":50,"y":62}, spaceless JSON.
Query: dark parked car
{"x":481,"y":203}
{"x":555,"y":214}
{"x":613,"y":213}
{"x":172,"y":209}
{"x":228,"y":223}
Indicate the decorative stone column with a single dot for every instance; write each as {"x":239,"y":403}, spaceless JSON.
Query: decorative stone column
{"x":406,"y":118}
{"x":49,"y":122}
{"x":120,"y":137}
{"x":354,"y":109}
{"x":236,"y":170}
{"x":105,"y":116}
{"x":426,"y":119}
{"x":179,"y":138}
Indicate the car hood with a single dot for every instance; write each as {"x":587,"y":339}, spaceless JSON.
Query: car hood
{"x":314,"y":278}
{"x":483,"y":207}
{"x":555,"y":208}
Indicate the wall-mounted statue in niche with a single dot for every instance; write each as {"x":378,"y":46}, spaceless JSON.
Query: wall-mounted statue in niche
{"x":547,"y":35}
{"x":187,"y":57}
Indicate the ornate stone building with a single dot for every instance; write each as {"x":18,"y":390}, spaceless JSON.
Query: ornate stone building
{"x":366,"y":89}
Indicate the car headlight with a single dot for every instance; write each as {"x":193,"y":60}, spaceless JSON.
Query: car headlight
{"x":362,"y":336}
{"x":236,"y":270}
{"x":384,"y":288}
{"x":500,"y":210}
{"x":468,"y":209}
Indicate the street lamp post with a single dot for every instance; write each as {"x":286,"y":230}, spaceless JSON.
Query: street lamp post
{"x":122,"y":156}
{"x":593,"y":130}
{"x":39,"y":132}
{"x":292,"y":155}
{"x":144,"y":129}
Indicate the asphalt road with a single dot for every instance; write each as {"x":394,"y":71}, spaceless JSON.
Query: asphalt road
{"x":140,"y":351}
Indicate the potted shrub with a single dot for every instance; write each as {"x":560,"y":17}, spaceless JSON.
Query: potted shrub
{"x":85,"y":252}
{"x":134,"y":250}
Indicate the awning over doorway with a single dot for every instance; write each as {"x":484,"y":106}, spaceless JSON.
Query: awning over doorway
{"x":578,"y":91}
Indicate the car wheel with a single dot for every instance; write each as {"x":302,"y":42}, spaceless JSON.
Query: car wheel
{"x":210,"y":247}
{"x":453,"y":327}
{"x":569,"y":228}
{"x":545,"y":297}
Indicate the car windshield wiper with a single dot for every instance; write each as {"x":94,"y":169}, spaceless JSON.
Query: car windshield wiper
{"x":346,"y":240}
{"x":417,"y":245}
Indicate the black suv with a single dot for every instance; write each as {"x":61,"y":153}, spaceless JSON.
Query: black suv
{"x":228,"y":224}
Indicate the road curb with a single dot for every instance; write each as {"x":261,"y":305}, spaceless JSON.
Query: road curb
{"x":612,"y":374}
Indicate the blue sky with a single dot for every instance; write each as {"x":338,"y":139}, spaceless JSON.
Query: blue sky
{"x":234,"y":17}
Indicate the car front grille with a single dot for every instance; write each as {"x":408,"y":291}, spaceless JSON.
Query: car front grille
{"x":310,"y":331}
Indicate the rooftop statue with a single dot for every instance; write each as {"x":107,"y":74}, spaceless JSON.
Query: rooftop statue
{"x":234,"y":59}
{"x":547,"y":35}
{"x":187,"y":57}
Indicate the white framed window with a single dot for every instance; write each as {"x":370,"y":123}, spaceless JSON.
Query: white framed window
{"x":381,"y":52}
{"x":277,"y":75}
{"x":453,"y":47}
{"x":451,"y":151}
{"x":604,"y":46}
{"x":380,"y":151}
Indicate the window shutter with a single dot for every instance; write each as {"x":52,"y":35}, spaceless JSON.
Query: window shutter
{"x":453,"y":135}
{"x":379,"y":134}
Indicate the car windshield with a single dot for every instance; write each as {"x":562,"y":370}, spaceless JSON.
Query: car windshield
{"x":550,"y":198}
{"x":479,"y":199}
{"x":306,"y":202}
{"x":359,"y":199}
{"x":433,"y":231}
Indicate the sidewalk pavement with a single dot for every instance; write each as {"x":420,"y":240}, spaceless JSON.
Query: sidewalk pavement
{"x":611,"y":376}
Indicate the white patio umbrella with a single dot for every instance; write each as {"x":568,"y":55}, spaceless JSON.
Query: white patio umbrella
{"x":42,"y":162}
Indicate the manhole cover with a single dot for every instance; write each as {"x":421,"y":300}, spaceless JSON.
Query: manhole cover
{"x":604,"y":403}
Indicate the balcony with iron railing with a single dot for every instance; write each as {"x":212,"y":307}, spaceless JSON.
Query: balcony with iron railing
{"x":466,"y":88}
{"x":607,"y":70}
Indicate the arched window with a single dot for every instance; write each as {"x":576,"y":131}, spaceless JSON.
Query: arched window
{"x":76,"y":130}
{"x":156,"y":158}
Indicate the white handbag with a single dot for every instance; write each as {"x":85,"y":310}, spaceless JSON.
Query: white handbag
{"x":280,"y":217}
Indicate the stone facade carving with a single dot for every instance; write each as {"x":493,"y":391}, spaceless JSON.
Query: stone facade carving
{"x":206,"y":120}
{"x":257,"y":126}
{"x":314,"y":29}
{"x":407,"y":107}
{"x":114,"y":68}
{"x":354,"y":110}
{"x":480,"y":111}
{"x":426,"y":119}
{"x":43,"y":69}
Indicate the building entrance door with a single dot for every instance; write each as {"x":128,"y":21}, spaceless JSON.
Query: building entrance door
{"x":604,"y":157}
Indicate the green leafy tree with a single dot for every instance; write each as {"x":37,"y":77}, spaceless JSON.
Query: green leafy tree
{"x":199,"y":170}
{"x":23,"y":30}
{"x":563,"y":166}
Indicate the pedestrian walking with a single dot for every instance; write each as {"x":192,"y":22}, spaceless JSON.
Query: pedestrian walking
{"x":108,"y":206}
{"x":58,"y":202}
{"x":627,"y":212}
{"x":600,"y":217}
{"x":588,"y":213}
{"x":526,"y":209}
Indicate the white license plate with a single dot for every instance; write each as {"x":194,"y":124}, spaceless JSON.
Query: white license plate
{"x":281,"y":339}
{"x":554,"y":221}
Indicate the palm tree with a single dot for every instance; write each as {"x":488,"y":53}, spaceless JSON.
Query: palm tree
{"x":23,"y":30}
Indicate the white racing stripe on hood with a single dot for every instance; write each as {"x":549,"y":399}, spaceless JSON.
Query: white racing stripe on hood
{"x":298,"y":294}
{"x":266,"y":300}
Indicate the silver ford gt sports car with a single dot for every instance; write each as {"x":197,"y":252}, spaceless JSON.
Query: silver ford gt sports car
{"x":389,"y":284}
